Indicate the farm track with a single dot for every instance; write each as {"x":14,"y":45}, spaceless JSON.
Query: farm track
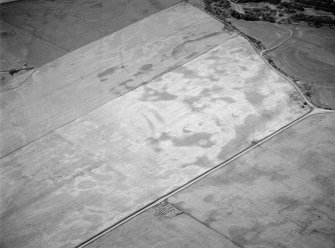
{"x":286,"y":77}
{"x":281,"y":43}
{"x":283,"y":75}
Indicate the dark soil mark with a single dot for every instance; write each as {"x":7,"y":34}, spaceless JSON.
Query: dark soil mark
{"x":143,"y":69}
{"x":155,"y":95}
{"x":108,"y":71}
{"x":146,"y":67}
{"x":97,"y":5}
{"x":156,"y":4}
{"x":4,"y":34}
{"x":201,"y":162}
{"x":180,"y":47}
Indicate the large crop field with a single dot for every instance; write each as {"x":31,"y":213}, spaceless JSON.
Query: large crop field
{"x":70,"y":183}
{"x":77,"y":83}
{"x":280,"y":194}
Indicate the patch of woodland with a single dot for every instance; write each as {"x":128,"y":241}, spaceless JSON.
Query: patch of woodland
{"x":282,"y":11}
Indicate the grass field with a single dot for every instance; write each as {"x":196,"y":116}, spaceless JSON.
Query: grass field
{"x":309,"y":56}
{"x":269,"y":34}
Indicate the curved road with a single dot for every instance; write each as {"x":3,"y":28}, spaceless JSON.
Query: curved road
{"x":281,"y":43}
{"x":287,"y":78}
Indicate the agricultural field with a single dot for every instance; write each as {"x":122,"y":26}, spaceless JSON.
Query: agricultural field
{"x":68,"y":184}
{"x":21,"y":52}
{"x":34,"y":33}
{"x":280,"y":194}
{"x":102,"y":71}
{"x":73,"y":24}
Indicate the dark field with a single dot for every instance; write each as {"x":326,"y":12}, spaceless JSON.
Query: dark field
{"x":36,"y":32}
{"x":269,"y":34}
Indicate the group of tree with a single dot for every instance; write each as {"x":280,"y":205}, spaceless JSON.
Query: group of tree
{"x":247,"y":17}
{"x":291,"y":6}
{"x":254,"y":15}
{"x":325,"y":5}
{"x":259,"y":1}
{"x":317,"y":21}
{"x":219,"y":8}
{"x":220,"y":3}
{"x":222,"y":9}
